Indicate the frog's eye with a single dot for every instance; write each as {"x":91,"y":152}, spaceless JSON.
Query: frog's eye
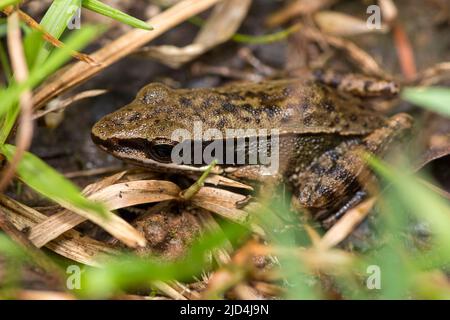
{"x":161,"y":152}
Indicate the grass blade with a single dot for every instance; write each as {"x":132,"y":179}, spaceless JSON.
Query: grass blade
{"x":55,"y":21}
{"x":433,"y":98}
{"x":5,"y":3}
{"x":5,"y":63}
{"x":10,"y":96}
{"x":42,"y":178}
{"x":127,"y":271}
{"x":421,"y":201}
{"x":115,"y":14}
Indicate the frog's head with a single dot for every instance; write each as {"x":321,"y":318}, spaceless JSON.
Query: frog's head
{"x":143,"y":131}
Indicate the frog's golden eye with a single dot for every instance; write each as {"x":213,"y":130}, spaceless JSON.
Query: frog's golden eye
{"x":161,"y":152}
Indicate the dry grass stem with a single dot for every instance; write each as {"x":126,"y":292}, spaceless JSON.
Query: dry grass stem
{"x":71,"y":244}
{"x":221,"y":255}
{"x":344,"y":227}
{"x":47,"y":36}
{"x":361,"y":59}
{"x":58,"y":105}
{"x":20,"y":68}
{"x":222,"y":202}
{"x":433,"y":75}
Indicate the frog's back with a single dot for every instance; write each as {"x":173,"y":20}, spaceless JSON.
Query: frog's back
{"x":295,"y":106}
{"x":291,"y":106}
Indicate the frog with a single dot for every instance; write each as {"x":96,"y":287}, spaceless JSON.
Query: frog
{"x":321,"y":133}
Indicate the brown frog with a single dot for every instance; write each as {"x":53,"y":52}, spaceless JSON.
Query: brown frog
{"x":320,"y":130}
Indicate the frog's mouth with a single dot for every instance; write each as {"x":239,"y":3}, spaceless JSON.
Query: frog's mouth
{"x":141,"y":152}
{"x":159,"y":150}
{"x":165,"y":153}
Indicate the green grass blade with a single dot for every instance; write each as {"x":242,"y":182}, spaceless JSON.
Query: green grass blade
{"x":10,"y":96}
{"x":127,"y":271}
{"x":267,"y":38}
{"x":45,"y":180}
{"x":55,"y":21}
{"x":32,"y":43}
{"x":271,"y":216}
{"x":5,"y":3}
{"x":251,"y":39}
{"x":8,"y":123}
{"x":3,"y":27}
{"x":421,"y":201}
{"x":5,"y":63}
{"x":433,"y":98}
{"x":115,"y":14}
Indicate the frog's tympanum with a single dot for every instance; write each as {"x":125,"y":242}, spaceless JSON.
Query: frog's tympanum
{"x":321,"y":132}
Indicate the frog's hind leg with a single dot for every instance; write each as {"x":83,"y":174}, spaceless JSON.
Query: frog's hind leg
{"x":331,"y":177}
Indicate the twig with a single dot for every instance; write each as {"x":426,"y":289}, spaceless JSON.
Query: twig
{"x":247,"y":55}
{"x":62,"y":104}
{"x":203,"y":69}
{"x":433,"y":74}
{"x":435,"y":189}
{"x":361,"y":58}
{"x":93,"y":172}
{"x":405,"y":52}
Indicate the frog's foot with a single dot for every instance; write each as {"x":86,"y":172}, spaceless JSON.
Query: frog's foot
{"x":358,"y":84}
{"x":337,"y":172}
{"x":351,"y":203}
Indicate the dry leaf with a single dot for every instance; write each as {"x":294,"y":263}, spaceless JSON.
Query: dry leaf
{"x":131,"y":193}
{"x":340,"y":24}
{"x":71,"y":244}
{"x":221,"y":26}
{"x":113,"y":197}
{"x":222,"y":202}
{"x":221,"y":181}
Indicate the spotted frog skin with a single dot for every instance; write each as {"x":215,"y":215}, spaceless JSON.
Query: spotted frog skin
{"x":322,"y":131}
